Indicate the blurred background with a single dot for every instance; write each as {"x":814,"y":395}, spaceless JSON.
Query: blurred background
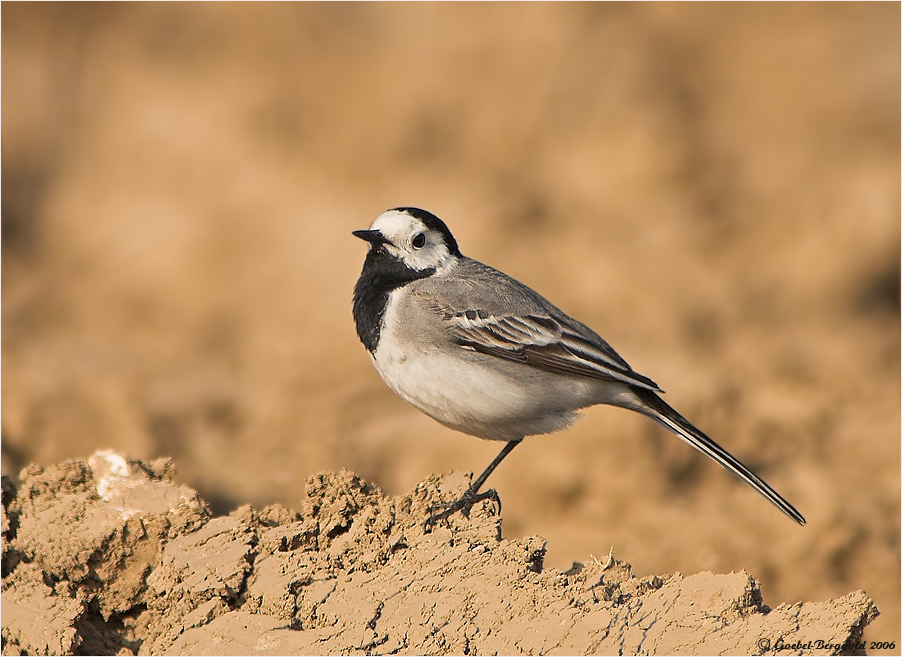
{"x":715,"y":188}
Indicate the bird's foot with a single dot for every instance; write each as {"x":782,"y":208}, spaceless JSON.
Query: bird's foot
{"x":444,"y":510}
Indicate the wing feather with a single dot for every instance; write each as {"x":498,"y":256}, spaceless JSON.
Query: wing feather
{"x":542,"y":341}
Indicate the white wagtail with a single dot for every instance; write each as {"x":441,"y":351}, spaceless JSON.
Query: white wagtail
{"x":488,"y":356}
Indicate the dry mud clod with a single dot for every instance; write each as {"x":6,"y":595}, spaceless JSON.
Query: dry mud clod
{"x":108,"y":556}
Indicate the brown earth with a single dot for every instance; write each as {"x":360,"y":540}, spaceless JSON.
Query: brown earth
{"x":712,"y":187}
{"x":107,"y":556}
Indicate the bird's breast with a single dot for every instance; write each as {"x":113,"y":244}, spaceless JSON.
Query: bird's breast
{"x":472,"y":392}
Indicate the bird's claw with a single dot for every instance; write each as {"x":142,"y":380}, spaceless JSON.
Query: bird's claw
{"x":444,"y":510}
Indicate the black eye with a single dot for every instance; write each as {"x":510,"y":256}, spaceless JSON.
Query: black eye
{"x":419,"y":240}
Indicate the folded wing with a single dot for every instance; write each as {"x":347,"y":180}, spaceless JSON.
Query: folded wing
{"x":543,"y":341}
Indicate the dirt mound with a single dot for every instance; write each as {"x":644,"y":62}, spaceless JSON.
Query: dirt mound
{"x":109,"y":556}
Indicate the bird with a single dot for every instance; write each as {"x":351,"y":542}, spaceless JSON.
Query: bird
{"x":488,"y":356}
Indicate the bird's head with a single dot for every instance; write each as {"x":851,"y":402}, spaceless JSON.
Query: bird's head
{"x":416,"y":238}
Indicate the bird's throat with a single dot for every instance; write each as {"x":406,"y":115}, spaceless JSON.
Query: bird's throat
{"x":381,"y":274}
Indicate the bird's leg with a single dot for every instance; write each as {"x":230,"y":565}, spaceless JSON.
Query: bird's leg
{"x":472,"y":494}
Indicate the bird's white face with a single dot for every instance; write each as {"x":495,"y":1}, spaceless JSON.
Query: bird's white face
{"x":412,"y":242}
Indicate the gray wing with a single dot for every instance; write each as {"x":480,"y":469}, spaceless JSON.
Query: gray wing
{"x":526,"y":328}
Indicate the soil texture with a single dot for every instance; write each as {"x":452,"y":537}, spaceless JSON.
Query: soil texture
{"x":107,"y":556}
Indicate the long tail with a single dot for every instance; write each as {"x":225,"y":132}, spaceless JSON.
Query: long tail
{"x":658,"y":410}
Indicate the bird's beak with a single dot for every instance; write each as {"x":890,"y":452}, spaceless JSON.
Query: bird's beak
{"x":374,"y":237}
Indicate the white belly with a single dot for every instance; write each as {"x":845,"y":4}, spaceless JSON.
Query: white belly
{"x":484,"y":395}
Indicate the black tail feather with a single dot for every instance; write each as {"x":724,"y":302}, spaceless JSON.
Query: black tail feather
{"x":657,"y":409}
